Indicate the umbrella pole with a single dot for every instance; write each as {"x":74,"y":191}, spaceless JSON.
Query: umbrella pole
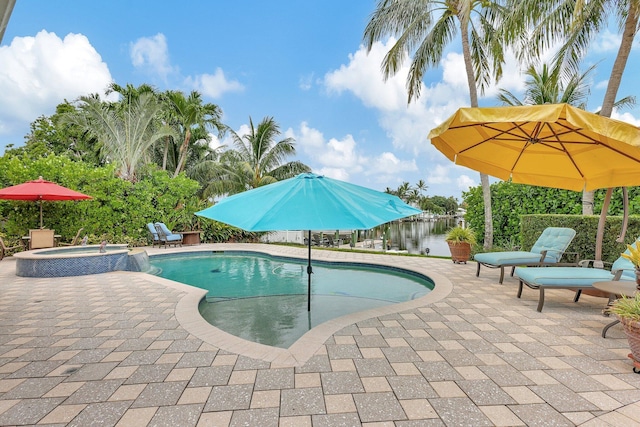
{"x":309,"y":271}
{"x":40,"y":214}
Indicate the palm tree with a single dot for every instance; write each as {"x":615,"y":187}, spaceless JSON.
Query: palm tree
{"x":125,"y":132}
{"x":403,"y":190}
{"x":423,"y":29}
{"x":421,"y":186}
{"x":575,"y":23}
{"x":257,"y":160}
{"x":547,"y":87}
{"x":187,"y":114}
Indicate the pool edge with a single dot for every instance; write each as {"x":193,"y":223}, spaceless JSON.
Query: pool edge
{"x":307,"y":345}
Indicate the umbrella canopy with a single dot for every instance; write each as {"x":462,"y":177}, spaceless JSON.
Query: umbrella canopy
{"x":39,"y":190}
{"x":551,"y":145}
{"x":309,"y":202}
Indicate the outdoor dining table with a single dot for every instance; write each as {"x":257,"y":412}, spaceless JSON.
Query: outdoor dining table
{"x":616,"y":288}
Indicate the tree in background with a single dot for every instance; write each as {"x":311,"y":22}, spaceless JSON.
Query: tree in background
{"x":423,"y":30}
{"x":125,"y":132}
{"x":188,"y":114}
{"x":257,"y":159}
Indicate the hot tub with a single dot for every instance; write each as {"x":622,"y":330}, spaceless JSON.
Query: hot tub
{"x":72,"y":261}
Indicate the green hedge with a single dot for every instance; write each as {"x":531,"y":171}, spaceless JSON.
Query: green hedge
{"x":586,"y":229}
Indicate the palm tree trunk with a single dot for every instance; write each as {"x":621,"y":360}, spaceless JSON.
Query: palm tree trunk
{"x":166,"y":153}
{"x":473,"y":95}
{"x":620,"y":63}
{"x":183,"y":153}
{"x":629,"y":33}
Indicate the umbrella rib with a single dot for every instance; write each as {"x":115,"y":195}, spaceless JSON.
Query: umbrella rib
{"x":494,"y":138}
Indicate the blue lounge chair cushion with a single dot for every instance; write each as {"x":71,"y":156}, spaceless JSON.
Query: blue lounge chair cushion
{"x":513,"y":258}
{"x":152,"y":230}
{"x":170,"y":237}
{"x":563,"y":277}
{"x":554,"y":240}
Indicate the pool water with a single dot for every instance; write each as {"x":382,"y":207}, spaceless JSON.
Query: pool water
{"x":264,"y":299}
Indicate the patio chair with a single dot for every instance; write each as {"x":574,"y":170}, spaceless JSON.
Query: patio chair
{"x":155,"y":240}
{"x":548,"y":249}
{"x":167,"y":237}
{"x":319,"y":241}
{"x":576,"y":278}
{"x":6,"y":250}
{"x":41,"y":238}
{"x":75,"y":241}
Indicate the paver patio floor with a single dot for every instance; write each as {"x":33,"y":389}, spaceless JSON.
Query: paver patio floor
{"x":129,"y":349}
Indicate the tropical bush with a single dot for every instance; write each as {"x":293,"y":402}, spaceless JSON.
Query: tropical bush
{"x":119,"y":210}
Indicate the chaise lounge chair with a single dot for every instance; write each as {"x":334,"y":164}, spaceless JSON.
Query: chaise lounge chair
{"x":548,"y":249}
{"x":578,"y":278}
{"x":167,"y":237}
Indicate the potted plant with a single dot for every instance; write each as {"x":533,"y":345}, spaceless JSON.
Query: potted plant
{"x":460,"y":240}
{"x":627,"y":310}
{"x":634,"y":257}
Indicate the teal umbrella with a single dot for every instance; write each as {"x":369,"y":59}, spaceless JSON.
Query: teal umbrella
{"x":309,"y":202}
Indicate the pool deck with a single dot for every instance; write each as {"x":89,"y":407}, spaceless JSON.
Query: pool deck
{"x":129,"y":349}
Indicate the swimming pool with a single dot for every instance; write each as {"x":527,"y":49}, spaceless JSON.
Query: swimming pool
{"x":262,"y":298}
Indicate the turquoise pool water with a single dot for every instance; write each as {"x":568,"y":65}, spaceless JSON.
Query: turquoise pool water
{"x":264,"y":299}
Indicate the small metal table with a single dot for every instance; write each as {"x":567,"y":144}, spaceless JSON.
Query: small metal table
{"x":616,"y":288}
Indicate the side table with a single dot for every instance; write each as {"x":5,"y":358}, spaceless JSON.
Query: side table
{"x":616,"y":288}
{"x":190,"y":237}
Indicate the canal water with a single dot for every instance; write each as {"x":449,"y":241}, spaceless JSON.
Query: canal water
{"x":419,"y":237}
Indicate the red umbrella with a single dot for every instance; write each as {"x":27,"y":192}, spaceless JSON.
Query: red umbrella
{"x":39,"y":190}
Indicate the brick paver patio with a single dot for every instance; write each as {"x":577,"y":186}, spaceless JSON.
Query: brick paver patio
{"x":129,"y":349}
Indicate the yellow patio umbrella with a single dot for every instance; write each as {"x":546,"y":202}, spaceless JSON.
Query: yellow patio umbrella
{"x":551,"y":145}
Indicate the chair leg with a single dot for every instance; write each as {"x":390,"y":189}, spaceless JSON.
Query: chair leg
{"x":520,"y":289}
{"x":478,"y":270}
{"x":541,"y":299}
{"x":577,"y":296}
{"x":501,"y":274}
{"x":513,"y":270}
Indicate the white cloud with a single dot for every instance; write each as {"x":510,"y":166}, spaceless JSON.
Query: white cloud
{"x":151,"y":54}
{"x":465,"y":182}
{"x":40,"y":72}
{"x":626,"y":117}
{"x":362,"y":77}
{"x":439,"y":174}
{"x":341,"y":158}
{"x":214,"y":85}
{"x":606,"y":42}
{"x":306,"y":82}
{"x":214,"y":142}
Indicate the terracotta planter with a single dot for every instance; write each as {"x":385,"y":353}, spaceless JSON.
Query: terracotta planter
{"x":632,"y":331}
{"x":460,"y":251}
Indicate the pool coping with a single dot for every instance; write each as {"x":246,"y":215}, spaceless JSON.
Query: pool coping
{"x":305,"y":347}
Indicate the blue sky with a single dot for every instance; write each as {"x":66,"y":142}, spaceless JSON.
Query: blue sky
{"x":301,"y":62}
